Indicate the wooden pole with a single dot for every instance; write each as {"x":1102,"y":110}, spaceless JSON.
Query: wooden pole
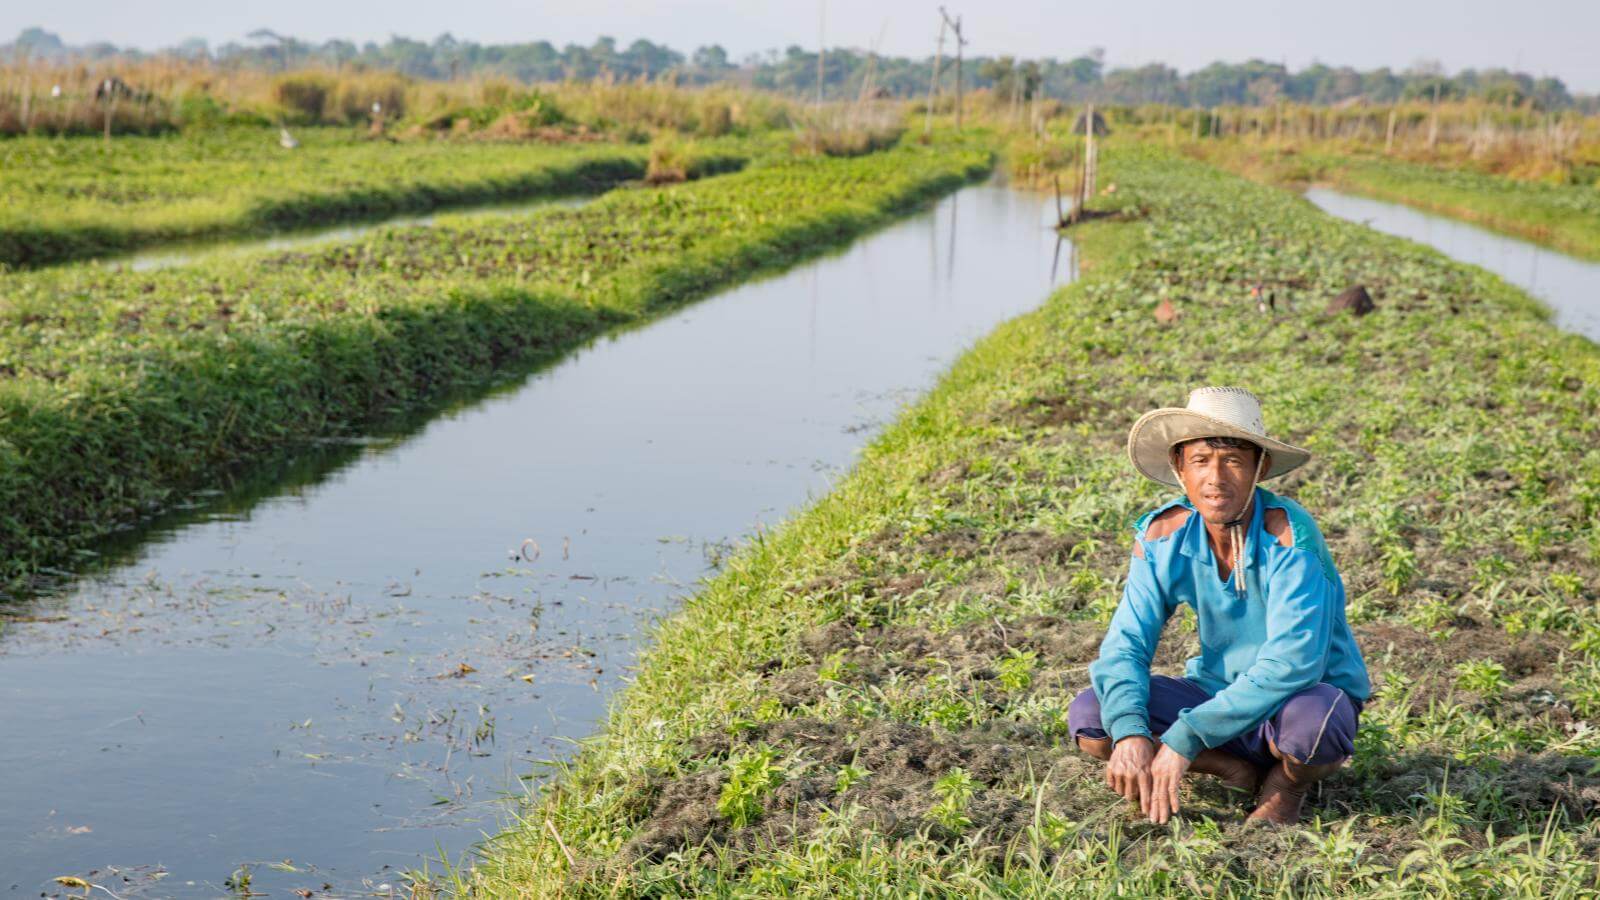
{"x":1388,"y":138}
{"x":1089,"y":161}
{"x":1433,"y":120}
{"x":955,"y":27}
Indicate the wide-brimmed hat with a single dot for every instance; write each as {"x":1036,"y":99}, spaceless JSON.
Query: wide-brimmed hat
{"x":1212,"y":412}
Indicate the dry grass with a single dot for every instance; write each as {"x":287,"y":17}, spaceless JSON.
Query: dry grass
{"x":170,"y":94}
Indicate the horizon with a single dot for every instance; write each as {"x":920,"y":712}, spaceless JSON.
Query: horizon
{"x":1188,"y":39}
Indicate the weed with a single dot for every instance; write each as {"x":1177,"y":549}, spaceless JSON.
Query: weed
{"x":1016,"y":669}
{"x":954,"y":790}
{"x":751,"y":776}
{"x":1485,"y":677}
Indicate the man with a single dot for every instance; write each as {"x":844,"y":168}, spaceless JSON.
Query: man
{"x":1271,"y":703}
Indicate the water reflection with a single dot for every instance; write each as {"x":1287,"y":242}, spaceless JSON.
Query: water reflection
{"x":1568,"y":285}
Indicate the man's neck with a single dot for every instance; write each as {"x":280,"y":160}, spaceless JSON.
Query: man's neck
{"x":1220,"y":538}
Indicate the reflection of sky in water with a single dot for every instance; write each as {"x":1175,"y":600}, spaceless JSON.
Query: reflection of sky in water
{"x":286,"y":682}
{"x":1569,"y":286}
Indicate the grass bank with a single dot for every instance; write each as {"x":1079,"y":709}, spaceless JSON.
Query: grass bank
{"x":72,"y":198}
{"x":120,"y":388}
{"x":872,"y":699}
{"x":1565,"y":216}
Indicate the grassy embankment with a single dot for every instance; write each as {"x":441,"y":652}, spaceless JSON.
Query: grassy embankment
{"x":872,"y":699}
{"x":71,"y":198}
{"x":121,"y":387}
{"x":1564,"y":215}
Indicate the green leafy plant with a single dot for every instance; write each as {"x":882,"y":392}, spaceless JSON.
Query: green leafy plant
{"x":1482,"y":676}
{"x":751,"y":776}
{"x":848,"y":776}
{"x":954,"y":790}
{"x":1016,"y":669}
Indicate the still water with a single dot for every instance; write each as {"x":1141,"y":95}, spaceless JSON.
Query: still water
{"x":1568,"y":285}
{"x":336,"y":679}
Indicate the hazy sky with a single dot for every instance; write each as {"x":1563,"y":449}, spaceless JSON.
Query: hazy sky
{"x":1544,"y":37}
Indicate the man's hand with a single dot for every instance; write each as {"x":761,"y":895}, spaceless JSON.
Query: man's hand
{"x":1128,"y":771}
{"x":1166,"y":773}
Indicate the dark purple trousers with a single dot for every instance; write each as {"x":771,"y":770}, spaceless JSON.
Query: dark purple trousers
{"x":1315,"y":726}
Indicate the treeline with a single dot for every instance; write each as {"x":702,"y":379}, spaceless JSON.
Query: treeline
{"x":848,"y":73}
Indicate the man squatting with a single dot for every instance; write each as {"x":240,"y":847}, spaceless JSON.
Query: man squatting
{"x":1271,"y":704}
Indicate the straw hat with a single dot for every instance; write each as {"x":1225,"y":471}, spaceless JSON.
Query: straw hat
{"x":1212,"y":412}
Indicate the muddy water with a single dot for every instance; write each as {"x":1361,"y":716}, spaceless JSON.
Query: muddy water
{"x":334,"y":679}
{"x":1568,"y":285}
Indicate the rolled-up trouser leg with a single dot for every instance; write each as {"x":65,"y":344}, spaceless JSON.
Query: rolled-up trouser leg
{"x":1315,"y":727}
{"x":1168,"y":697}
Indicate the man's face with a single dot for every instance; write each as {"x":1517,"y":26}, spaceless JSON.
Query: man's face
{"x":1217,"y":479}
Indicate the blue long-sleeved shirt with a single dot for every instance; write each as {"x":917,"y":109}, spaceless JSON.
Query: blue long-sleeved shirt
{"x":1256,"y":651}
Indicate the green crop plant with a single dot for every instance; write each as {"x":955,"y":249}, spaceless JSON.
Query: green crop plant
{"x":58,"y":204}
{"x":1562,"y":215}
{"x":751,"y":777}
{"x":848,"y":776}
{"x":954,"y":790}
{"x":1449,"y":352}
{"x":1485,"y":677}
{"x":1016,"y":669}
{"x":122,"y":389}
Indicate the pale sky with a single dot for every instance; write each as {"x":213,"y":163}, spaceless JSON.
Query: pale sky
{"x":1543,"y":37}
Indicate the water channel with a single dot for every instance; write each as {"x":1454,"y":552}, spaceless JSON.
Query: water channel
{"x":1568,"y":285}
{"x":338,"y":677}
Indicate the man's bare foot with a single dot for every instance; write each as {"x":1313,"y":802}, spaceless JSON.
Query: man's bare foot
{"x":1283,"y":791}
{"x":1236,"y":774}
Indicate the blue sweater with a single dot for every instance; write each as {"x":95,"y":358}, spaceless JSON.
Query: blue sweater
{"x":1255,"y":653}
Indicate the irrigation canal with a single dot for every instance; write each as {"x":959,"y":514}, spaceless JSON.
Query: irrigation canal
{"x":337,"y":676}
{"x":1568,"y":285}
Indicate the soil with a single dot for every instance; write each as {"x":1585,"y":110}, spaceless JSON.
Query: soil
{"x":1430,"y":660}
{"x":1017,"y":764}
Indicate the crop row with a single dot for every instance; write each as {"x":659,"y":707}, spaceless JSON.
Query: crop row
{"x":73,"y":198}
{"x":1564,"y":216}
{"x":120,"y":387}
{"x":876,"y":693}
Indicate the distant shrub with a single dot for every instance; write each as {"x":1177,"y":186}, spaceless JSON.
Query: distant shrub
{"x":302,"y":95}
{"x":716,"y":119}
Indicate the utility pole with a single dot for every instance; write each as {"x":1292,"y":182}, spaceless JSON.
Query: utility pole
{"x":955,"y":26}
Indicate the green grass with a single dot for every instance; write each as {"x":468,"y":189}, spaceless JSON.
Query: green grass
{"x":121,"y":387}
{"x":1563,"y":216}
{"x":888,"y":628}
{"x":72,"y":198}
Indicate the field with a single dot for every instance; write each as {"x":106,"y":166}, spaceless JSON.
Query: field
{"x":70,"y":198}
{"x":872,"y":700}
{"x":199,"y":154}
{"x":1564,"y":214}
{"x":123,"y":387}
